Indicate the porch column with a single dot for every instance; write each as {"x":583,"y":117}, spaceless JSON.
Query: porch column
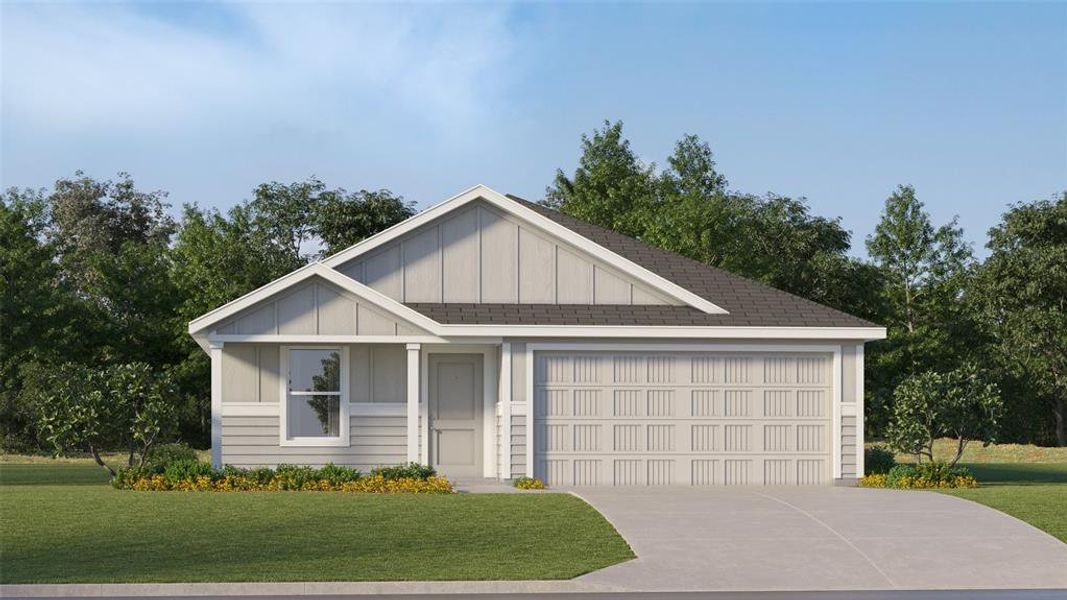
{"x":215,"y":349}
{"x":860,"y":415}
{"x":504,"y":442}
{"x":413,"y":402}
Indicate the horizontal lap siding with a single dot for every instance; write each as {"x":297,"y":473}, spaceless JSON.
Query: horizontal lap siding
{"x":254,"y":441}
{"x":518,"y":446}
{"x":848,"y":447}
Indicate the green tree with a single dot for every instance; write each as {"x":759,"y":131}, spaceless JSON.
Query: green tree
{"x":1023,"y":293}
{"x":36,"y":314}
{"x":611,"y":186}
{"x":961,"y":404}
{"x":343,"y":219}
{"x":123,"y":405}
{"x":688,"y":209}
{"x":926,"y":272}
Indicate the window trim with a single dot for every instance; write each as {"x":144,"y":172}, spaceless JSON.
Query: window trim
{"x":341,"y":441}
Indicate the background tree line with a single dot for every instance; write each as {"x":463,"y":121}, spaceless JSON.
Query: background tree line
{"x":96,"y":273}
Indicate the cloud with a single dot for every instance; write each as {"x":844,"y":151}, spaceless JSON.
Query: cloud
{"x":88,"y":69}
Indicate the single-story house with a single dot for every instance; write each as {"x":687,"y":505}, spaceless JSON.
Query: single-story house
{"x":492,"y":337}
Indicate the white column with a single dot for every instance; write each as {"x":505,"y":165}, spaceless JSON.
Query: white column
{"x":860,"y":415}
{"x":530,"y":412}
{"x":505,"y":410}
{"x":215,"y":349}
{"x":413,"y":402}
{"x":836,"y":412}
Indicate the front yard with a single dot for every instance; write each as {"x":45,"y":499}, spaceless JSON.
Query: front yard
{"x":1026,"y":482}
{"x":62,"y":523}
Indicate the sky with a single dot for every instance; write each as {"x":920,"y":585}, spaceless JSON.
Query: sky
{"x":835,"y":102}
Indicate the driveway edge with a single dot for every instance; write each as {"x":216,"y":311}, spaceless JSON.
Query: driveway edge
{"x":354,"y":588}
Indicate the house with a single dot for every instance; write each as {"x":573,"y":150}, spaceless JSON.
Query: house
{"x":492,"y":337}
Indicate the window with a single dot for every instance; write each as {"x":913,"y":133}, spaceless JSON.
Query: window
{"x":316,"y":404}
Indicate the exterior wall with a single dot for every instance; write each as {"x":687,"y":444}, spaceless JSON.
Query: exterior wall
{"x":253,"y":441}
{"x":315,"y":308}
{"x":848,"y":447}
{"x":251,"y":375}
{"x":518,"y":446}
{"x":479,"y":254}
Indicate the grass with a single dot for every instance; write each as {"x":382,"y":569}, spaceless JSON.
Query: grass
{"x":61,"y":523}
{"x":1035,"y":493}
{"x":945,"y":449}
{"x":1027,"y":482}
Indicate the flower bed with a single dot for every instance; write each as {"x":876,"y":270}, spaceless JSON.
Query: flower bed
{"x":529,"y":483}
{"x":924,"y":476}
{"x":194,"y":476}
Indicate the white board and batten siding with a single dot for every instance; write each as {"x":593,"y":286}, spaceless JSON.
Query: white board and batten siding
{"x":250,"y":435}
{"x":481,"y":255}
{"x":317,"y":307}
{"x":691,"y":418}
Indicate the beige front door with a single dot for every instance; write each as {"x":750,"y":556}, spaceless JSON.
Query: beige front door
{"x":456,"y":414}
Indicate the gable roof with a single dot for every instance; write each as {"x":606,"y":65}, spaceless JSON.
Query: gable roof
{"x":746,"y":302}
{"x":523,"y":211}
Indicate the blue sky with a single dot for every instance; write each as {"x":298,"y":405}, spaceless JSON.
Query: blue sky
{"x":836,"y":102}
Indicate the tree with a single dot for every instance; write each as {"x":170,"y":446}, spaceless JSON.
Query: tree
{"x":1023,"y":294}
{"x":38,"y":317}
{"x":961,"y":404}
{"x":688,"y":209}
{"x":925,"y":273}
{"x":342,"y":219}
{"x":611,"y":187}
{"x":123,"y":405}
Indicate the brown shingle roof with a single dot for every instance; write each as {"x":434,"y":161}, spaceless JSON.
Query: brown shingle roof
{"x":749,"y":304}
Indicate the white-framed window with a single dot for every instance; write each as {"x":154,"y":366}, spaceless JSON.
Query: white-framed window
{"x":315,"y":387}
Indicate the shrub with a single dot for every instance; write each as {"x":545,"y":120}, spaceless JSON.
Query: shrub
{"x":161,"y":456}
{"x":196,"y":476}
{"x":877,"y":460}
{"x":410,"y":470}
{"x":925,"y":476}
{"x":529,"y":483}
{"x":186,"y":470}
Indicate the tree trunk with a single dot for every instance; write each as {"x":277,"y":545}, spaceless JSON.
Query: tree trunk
{"x":960,"y":445}
{"x":1059,"y":410}
{"x":100,"y":461}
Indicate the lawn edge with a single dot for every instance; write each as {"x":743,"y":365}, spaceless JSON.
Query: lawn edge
{"x":356,"y":588}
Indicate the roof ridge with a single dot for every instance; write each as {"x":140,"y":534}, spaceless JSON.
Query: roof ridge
{"x":553,"y":214}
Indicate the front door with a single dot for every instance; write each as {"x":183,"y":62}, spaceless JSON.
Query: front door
{"x":456,"y":398}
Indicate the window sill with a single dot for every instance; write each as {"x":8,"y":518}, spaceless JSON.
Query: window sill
{"x":340,"y":442}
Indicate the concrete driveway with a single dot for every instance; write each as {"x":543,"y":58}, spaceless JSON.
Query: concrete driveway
{"x":820,"y":539}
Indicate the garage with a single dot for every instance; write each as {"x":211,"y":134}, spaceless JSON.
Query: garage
{"x":683,"y":418}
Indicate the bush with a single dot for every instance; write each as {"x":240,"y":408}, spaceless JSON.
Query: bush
{"x":935,"y":475}
{"x":161,"y":456}
{"x":878,"y":460}
{"x":410,"y":470}
{"x":529,"y":483}
{"x":186,"y":470}
{"x":191,"y":475}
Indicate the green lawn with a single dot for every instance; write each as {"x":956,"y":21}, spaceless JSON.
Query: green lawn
{"x":1028,"y":482}
{"x":61,"y":523}
{"x":1035,"y":493}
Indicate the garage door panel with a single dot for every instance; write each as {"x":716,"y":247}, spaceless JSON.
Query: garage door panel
{"x":682,"y":419}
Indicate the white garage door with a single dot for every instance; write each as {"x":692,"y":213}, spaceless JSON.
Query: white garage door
{"x":701,"y":419}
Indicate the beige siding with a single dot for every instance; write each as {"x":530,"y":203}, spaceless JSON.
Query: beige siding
{"x":848,"y":373}
{"x":253,"y":441}
{"x":317,"y":308}
{"x":378,"y":373}
{"x":482,"y":255}
{"x":250,"y":373}
{"x":518,"y":446}
{"x":848,"y":447}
